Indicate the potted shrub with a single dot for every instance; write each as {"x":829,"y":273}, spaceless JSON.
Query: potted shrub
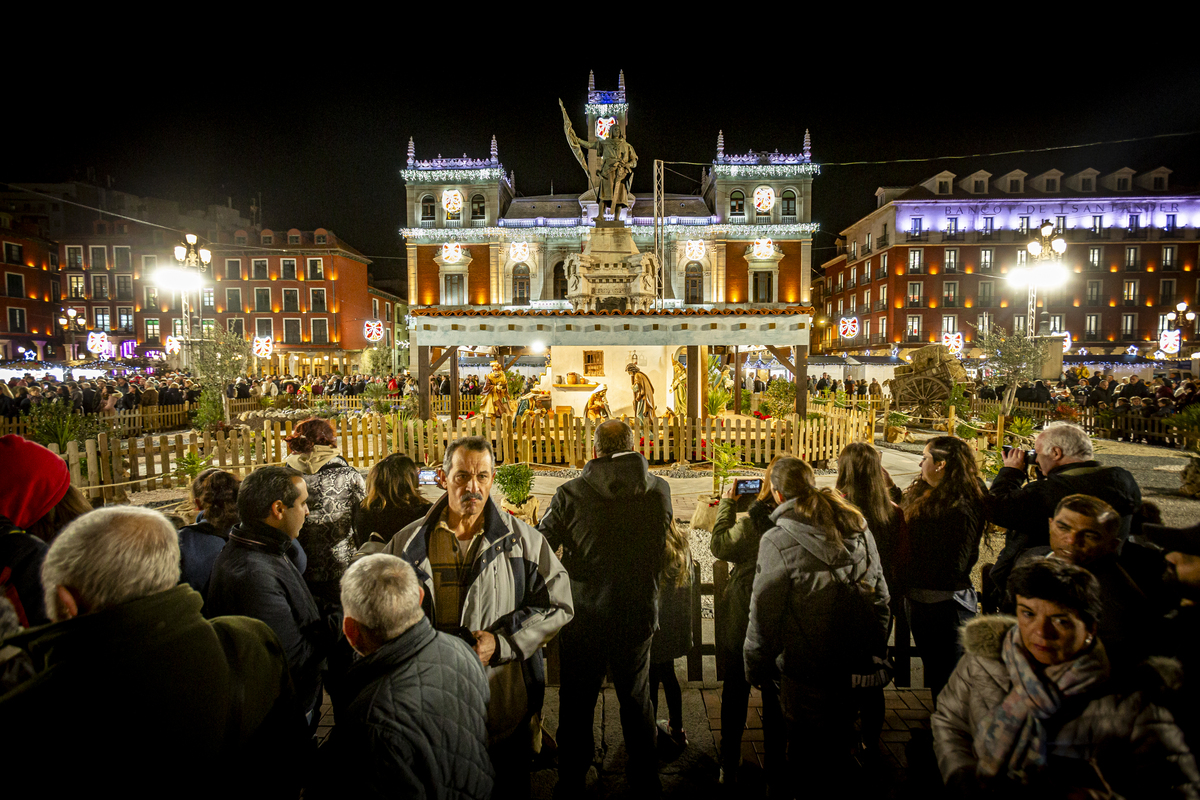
{"x":516,"y":484}
{"x":726,"y":459}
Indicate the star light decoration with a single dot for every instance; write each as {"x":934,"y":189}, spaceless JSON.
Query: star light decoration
{"x":172,"y":346}
{"x":604,"y":126}
{"x":693,"y":249}
{"x":1131,"y":350}
{"x":953,"y":342}
{"x":1169,"y":340}
{"x":263,"y":346}
{"x":764,"y":199}
{"x":519,"y":251}
{"x":97,"y":341}
{"x":30,"y":355}
{"x":452,"y":201}
{"x":373,"y":330}
{"x":848,"y":327}
{"x":451,"y":252}
{"x":764,"y":248}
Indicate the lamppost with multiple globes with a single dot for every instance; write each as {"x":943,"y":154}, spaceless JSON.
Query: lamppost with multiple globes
{"x":1180,"y":313}
{"x":186,"y":277}
{"x":1045,"y":270}
{"x":71,"y":322}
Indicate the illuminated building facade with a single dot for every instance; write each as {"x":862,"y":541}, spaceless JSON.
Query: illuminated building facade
{"x":28,"y":301}
{"x":931,"y":260}
{"x":744,"y":239}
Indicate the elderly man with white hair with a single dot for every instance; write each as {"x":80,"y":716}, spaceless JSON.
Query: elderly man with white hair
{"x":412,"y":712}
{"x":1066,"y":461}
{"x":133,"y":683}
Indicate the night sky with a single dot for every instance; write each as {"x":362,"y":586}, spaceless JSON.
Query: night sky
{"x":325,"y":149}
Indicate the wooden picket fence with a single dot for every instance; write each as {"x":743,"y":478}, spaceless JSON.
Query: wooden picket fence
{"x":137,"y":422}
{"x":111,"y":466}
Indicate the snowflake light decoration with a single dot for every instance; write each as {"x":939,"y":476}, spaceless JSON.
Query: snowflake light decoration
{"x":373,"y":330}
{"x":1169,"y":340}
{"x":1159,"y":355}
{"x":848,"y":327}
{"x":451,"y":252}
{"x":263,"y":346}
{"x":97,"y":341}
{"x":953,"y":342}
{"x":452,"y":201}
{"x":764,"y":248}
{"x":519,"y":251}
{"x":172,"y":346}
{"x":604,"y":126}
{"x":764,"y":199}
{"x":693,"y":249}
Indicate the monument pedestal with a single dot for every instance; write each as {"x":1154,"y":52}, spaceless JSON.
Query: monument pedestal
{"x":610,"y":273}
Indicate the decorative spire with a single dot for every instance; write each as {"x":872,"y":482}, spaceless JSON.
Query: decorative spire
{"x":412,"y":152}
{"x":495,"y":151}
{"x":807,"y":147}
{"x":720,"y":145}
{"x":621,"y":81}
{"x":591,"y":80}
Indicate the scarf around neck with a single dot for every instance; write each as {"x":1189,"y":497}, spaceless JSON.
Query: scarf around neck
{"x":1012,"y":739}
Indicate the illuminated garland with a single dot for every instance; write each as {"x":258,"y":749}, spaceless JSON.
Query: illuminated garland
{"x":547,"y":232}
{"x":453,"y":175}
{"x":606,"y":108}
{"x":764,"y":170}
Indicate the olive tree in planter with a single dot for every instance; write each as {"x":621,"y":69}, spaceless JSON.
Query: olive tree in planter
{"x":516,"y":484}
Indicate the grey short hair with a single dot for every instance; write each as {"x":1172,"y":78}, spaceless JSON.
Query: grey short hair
{"x":112,"y":556}
{"x":613,"y":436}
{"x":381,"y":592}
{"x":1070,"y":438}
{"x":475,"y":444}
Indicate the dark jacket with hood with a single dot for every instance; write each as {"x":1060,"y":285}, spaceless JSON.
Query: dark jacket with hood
{"x":796,"y":627}
{"x":415,"y":721}
{"x":254,"y":577}
{"x":736,"y":541}
{"x":612,"y":524}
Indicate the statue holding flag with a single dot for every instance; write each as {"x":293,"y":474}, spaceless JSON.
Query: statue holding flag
{"x":617,"y":162}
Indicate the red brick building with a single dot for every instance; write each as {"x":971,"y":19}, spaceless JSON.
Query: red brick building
{"x":30,"y":290}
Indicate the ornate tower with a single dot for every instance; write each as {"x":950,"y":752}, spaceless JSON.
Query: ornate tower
{"x":603,"y":110}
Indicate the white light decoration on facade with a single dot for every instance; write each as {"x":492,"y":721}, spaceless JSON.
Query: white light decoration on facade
{"x":1169,"y":340}
{"x":451,"y":252}
{"x":97,"y":341}
{"x":764,"y":199}
{"x":1159,"y":355}
{"x":263,"y":345}
{"x":519,"y":251}
{"x":953,"y":342}
{"x":1131,"y":350}
{"x":848,"y":327}
{"x":452,"y":201}
{"x":693,"y":249}
{"x":173,"y":346}
{"x":1066,"y":341}
{"x":373,"y":330}
{"x":603,"y":126}
{"x":764,"y":248}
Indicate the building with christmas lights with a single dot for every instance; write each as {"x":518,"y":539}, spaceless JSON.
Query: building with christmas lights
{"x":487,"y":267}
{"x":932,"y":260}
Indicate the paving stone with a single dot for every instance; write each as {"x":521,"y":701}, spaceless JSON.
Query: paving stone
{"x":898,"y":755}
{"x":895,"y":736}
{"x":753,"y":735}
{"x":912,"y":713}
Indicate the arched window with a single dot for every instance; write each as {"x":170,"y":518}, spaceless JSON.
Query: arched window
{"x":560,"y":282}
{"x":789,"y":203}
{"x":693,"y":286}
{"x":427,"y":207}
{"x":520,"y":285}
{"x":478,"y":208}
{"x":737,"y":203}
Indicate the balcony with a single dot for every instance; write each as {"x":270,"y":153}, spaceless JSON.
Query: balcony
{"x":914,"y":337}
{"x":1170,"y":266}
{"x":883,"y":241}
{"x":737,"y":219}
{"x":320,"y":339}
{"x":1095,"y":234}
{"x":985,"y":267}
{"x":916,"y":269}
{"x":985,"y":302}
{"x":317,"y":307}
{"x":1091,"y":336}
{"x":866,"y":248}
{"x":916,"y":302}
{"x":1130,"y":336}
{"x":1135,"y":233}
{"x":788,"y":219}
{"x":1134,"y":265}
{"x":429,"y":223}
{"x":987,"y":236}
{"x":1168,"y":300}
{"x":863,"y":309}
{"x":291,"y":339}
{"x":1172,"y":232}
{"x":153,"y":340}
{"x":954,"y":236}
{"x":1132,"y":300}
{"x":1091,"y":267}
{"x":478,"y":222}
{"x":879,"y":338}
{"x":291,"y":307}
{"x":881,"y":305}
{"x":260,"y":309}
{"x":1092,"y":301}
{"x":881,"y":274}
{"x":917,"y":236}
{"x":452,"y":223}
{"x":949,"y":302}
{"x":850,"y":284}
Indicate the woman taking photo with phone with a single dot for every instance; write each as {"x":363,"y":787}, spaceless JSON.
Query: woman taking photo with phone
{"x":393,"y":500}
{"x":945,"y":515}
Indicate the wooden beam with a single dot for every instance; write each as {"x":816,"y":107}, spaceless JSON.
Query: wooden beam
{"x":423,"y":373}
{"x":737,"y":381}
{"x":693,"y":378}
{"x":784,"y":357}
{"x":453,"y":388}
{"x":800,"y":376}
{"x":506,"y":364}
{"x":440,"y":359}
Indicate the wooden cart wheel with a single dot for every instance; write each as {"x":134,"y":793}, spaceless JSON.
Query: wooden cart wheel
{"x":925,"y":394}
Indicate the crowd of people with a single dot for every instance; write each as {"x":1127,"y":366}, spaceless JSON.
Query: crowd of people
{"x":105,"y":396}
{"x":424,"y":623}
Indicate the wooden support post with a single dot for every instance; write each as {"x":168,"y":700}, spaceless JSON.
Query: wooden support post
{"x":453,"y":386}
{"x":800,"y":377}
{"x":737,"y":381}
{"x":423,"y":382}
{"x":694,"y":375}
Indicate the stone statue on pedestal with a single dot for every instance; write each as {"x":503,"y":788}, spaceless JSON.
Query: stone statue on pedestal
{"x":617,"y":162}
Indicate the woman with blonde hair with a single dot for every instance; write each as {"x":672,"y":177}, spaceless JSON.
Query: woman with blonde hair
{"x":818,"y":611}
{"x":945,"y":514}
{"x":673,"y":638}
{"x":393,"y":500}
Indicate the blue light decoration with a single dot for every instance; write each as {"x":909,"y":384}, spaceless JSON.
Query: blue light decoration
{"x":895,"y":352}
{"x":1132,"y":350}
{"x":30,"y":355}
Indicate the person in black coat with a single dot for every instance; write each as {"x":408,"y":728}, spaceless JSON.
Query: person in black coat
{"x":414,"y":713}
{"x":254,"y":577}
{"x":393,"y":500}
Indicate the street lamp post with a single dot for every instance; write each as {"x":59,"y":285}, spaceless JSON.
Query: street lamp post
{"x":188,"y":276}
{"x":1181,"y":313}
{"x":1046,"y":270}
{"x":70,"y":323}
